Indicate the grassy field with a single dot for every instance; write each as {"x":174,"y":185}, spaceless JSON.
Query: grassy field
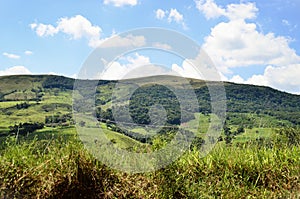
{"x":60,"y":168}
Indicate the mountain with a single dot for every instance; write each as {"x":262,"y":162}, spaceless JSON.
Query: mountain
{"x":33,"y":98}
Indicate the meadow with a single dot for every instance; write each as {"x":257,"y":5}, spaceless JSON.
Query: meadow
{"x":56,"y":165}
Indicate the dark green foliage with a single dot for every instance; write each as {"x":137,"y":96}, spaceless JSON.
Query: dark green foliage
{"x":197,"y":143}
{"x":103,"y":116}
{"x":25,"y":128}
{"x":53,"y":106}
{"x":57,"y":119}
{"x":38,"y":94}
{"x":136,"y":136}
{"x":145,"y":97}
{"x":23,"y":105}
{"x":240,"y":130}
{"x":242,"y":98}
{"x":58,"y":82}
{"x":228,"y":139}
{"x":228,"y":134}
{"x":227,"y":130}
{"x":291,"y":134}
{"x":151,"y":95}
{"x":250,"y":99}
{"x":1,"y":96}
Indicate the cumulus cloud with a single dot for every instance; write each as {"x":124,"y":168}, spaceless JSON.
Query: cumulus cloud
{"x":232,"y":11}
{"x":239,"y":44}
{"x":116,"y":70}
{"x":209,"y":8}
{"x":236,"y":42}
{"x":175,"y":16}
{"x":76,"y":27}
{"x":200,"y":67}
{"x":10,"y":55}
{"x":186,"y":70}
{"x":171,"y":15}
{"x":44,"y":30}
{"x":120,"y":3}
{"x":28,"y":52}
{"x":15,"y":70}
{"x":284,"y":78}
{"x":160,"y":14}
{"x":241,"y":11}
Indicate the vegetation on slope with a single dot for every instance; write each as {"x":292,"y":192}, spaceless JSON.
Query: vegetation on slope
{"x":59,"y":168}
{"x":257,"y":154}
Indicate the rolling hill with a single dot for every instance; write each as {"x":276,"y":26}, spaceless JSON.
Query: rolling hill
{"x":52,"y":163}
{"x":47,"y":95}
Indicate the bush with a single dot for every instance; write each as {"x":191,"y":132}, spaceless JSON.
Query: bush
{"x":25,"y":128}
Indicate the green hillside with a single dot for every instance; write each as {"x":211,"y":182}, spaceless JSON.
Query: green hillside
{"x":50,"y":95}
{"x":256,"y":156}
{"x":47,"y":99}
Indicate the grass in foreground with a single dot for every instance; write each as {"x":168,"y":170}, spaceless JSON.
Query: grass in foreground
{"x":61,"y":168}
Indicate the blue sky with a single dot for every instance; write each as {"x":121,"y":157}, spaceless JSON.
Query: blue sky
{"x":255,"y":42}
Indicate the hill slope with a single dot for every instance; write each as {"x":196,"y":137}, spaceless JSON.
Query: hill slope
{"x":48,"y":95}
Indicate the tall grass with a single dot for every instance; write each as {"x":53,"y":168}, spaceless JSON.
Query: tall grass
{"x":234,"y":172}
{"x":64,"y":169}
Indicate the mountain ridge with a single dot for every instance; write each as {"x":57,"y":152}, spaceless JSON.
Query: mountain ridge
{"x":240,"y":98}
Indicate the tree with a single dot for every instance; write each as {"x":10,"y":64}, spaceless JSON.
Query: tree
{"x":25,"y":128}
{"x":227,"y":131}
{"x":240,"y":130}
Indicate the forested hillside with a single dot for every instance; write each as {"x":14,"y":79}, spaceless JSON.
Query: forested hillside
{"x":55,"y":92}
{"x":256,"y":154}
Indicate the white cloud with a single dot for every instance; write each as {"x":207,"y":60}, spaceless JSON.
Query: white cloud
{"x":172,"y":16}
{"x":44,"y":30}
{"x":117,"y":71}
{"x":117,"y":41}
{"x":232,"y":11}
{"x":209,"y":8}
{"x":289,"y":25}
{"x":175,"y":16}
{"x":74,"y":76}
{"x":28,"y":52}
{"x":10,"y":55}
{"x":76,"y":27}
{"x":15,"y":70}
{"x":237,"y":43}
{"x":241,"y":11}
{"x":200,"y":67}
{"x":186,"y":70}
{"x":120,"y":3}
{"x":237,"y":79}
{"x":285,"y":22}
{"x":160,"y":14}
{"x":283,"y":78}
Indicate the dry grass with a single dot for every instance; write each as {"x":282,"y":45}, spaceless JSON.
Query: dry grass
{"x":63,"y":169}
